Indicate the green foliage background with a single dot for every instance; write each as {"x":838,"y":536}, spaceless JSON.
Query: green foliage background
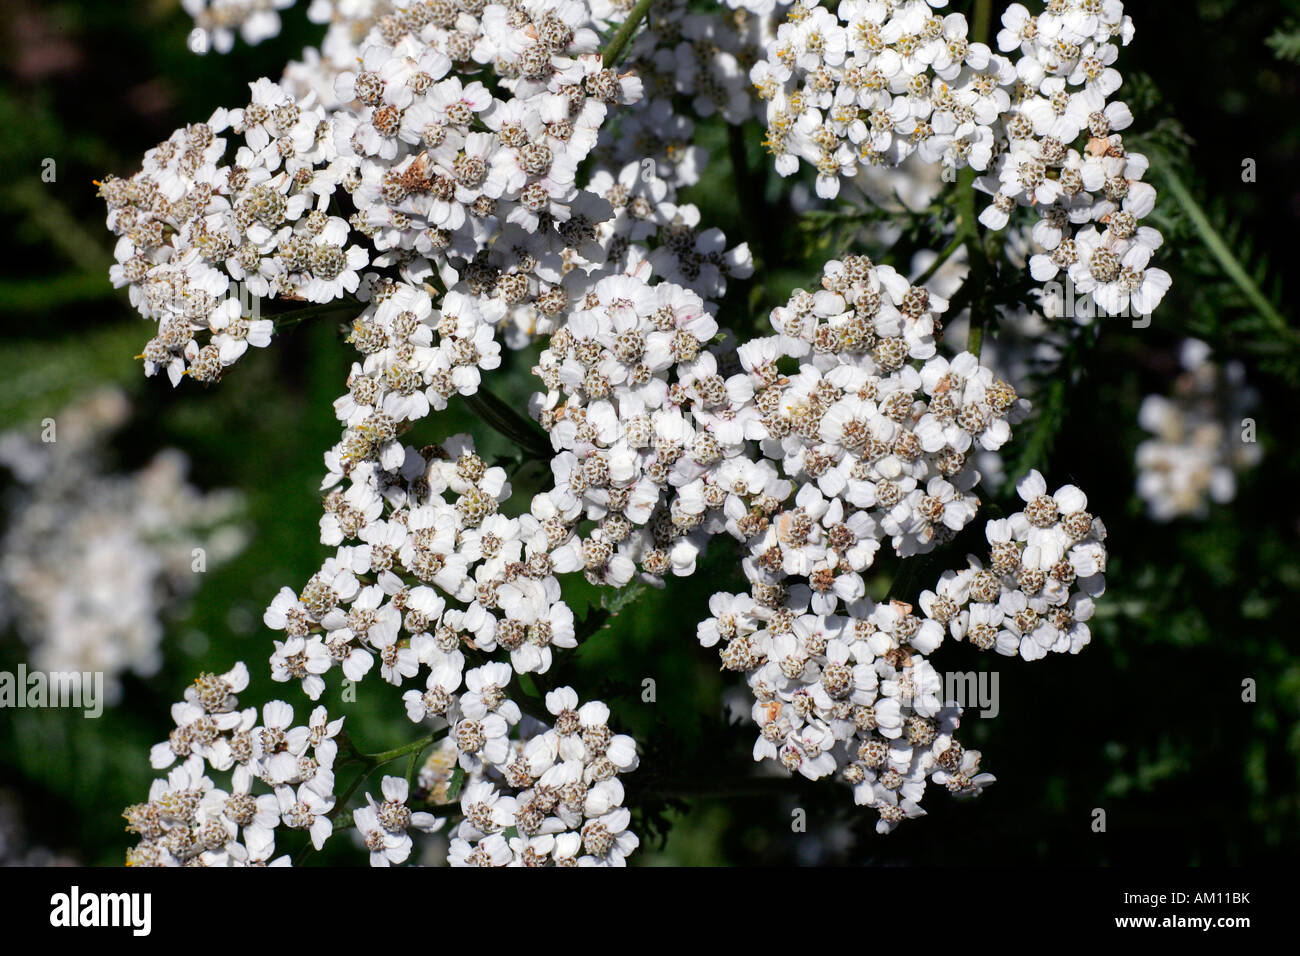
{"x":1147,"y":723}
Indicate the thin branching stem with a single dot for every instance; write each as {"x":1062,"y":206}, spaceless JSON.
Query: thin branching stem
{"x":289,"y":319}
{"x":341,"y":816}
{"x":508,"y":423}
{"x":948,"y":252}
{"x":618,"y":43}
{"x":977,"y":278}
{"x":968,"y":229}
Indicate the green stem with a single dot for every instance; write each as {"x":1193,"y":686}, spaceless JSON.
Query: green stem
{"x":352,"y":788}
{"x":900,"y":588}
{"x":621,"y":39}
{"x":371,"y":762}
{"x":969,"y":225}
{"x":413,"y":767}
{"x":341,"y":816}
{"x":509,"y":423}
{"x":1232,"y":268}
{"x":983,"y":17}
{"x":336,"y":815}
{"x":345,"y":743}
{"x":968,"y":232}
{"x":751,"y":199}
{"x":286,"y":319}
{"x":957,"y":242}
{"x":388,"y":755}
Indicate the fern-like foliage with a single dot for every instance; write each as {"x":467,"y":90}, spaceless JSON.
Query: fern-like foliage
{"x":1221,"y":309}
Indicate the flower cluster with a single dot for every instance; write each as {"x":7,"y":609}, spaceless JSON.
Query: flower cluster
{"x":196,"y":238}
{"x":383,"y":825}
{"x":1200,"y":439}
{"x":640,"y":419}
{"x":460,"y":177}
{"x":875,"y":430}
{"x":848,"y":694}
{"x":91,"y":560}
{"x":1090,"y":200}
{"x":216,"y":22}
{"x":873,"y":82}
{"x":874,"y":422}
{"x":1034,"y":594}
{"x":695,"y":64}
{"x":437,"y":168}
{"x":189,"y":820}
{"x":553,"y":783}
{"x":556,"y":787}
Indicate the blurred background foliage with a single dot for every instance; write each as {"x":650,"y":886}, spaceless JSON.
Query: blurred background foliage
{"x":1148,"y":723}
